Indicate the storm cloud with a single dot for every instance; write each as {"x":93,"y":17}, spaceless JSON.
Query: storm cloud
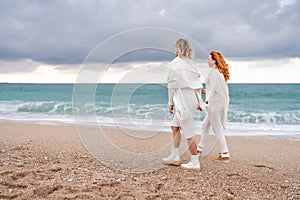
{"x":64,"y":32}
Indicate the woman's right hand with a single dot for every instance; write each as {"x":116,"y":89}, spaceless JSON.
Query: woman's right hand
{"x":199,"y":108}
{"x":171,"y":107}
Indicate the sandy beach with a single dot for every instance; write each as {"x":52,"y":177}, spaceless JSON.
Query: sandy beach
{"x":44,"y":161}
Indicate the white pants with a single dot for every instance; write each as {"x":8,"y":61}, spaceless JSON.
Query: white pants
{"x":214,"y":119}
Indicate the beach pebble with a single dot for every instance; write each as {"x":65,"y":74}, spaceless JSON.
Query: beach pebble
{"x":19,"y":165}
{"x":55,"y":169}
{"x":229,"y":196}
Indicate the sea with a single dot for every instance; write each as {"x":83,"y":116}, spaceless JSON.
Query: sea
{"x":255,"y":109}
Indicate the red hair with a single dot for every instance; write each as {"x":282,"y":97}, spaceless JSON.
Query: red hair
{"x":221,"y":64}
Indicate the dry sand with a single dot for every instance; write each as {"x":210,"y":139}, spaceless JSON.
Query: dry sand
{"x":50,"y":162}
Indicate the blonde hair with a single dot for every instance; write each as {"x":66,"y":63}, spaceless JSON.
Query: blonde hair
{"x":221,"y":64}
{"x":184,"y":49}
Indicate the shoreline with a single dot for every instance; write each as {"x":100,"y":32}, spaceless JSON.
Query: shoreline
{"x":50,"y":162}
{"x":293,"y":135}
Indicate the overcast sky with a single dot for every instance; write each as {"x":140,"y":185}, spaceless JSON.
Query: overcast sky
{"x":57,"y":32}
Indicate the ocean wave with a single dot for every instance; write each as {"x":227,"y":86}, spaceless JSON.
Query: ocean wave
{"x":260,"y":118}
{"x":136,"y":112}
{"x":36,"y":107}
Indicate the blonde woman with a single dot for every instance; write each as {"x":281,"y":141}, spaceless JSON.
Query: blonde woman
{"x":184,"y":88}
{"x":217,"y":97}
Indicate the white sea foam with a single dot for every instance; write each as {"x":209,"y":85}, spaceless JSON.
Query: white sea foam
{"x":233,"y":129}
{"x":153,"y":117}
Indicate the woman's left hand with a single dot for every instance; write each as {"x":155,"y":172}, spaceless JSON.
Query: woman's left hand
{"x":171,"y":107}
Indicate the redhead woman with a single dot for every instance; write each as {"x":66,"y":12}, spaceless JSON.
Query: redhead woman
{"x":217,"y":98}
{"x":184,"y":89}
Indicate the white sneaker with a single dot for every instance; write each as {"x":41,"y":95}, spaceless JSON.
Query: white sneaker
{"x":193,"y":164}
{"x":172,"y":159}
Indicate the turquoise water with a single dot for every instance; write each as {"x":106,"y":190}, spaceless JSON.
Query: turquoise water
{"x":252,"y":106}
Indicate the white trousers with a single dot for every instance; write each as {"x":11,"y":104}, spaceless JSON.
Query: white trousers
{"x":214,"y":119}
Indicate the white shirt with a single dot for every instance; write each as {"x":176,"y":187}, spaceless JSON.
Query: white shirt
{"x":217,"y":93}
{"x":216,"y":86}
{"x":183,"y":74}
